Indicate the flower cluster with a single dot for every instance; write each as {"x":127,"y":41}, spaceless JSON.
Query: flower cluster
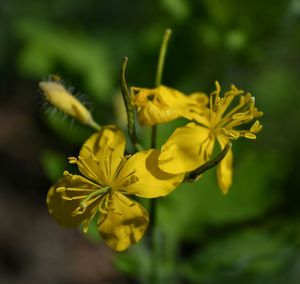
{"x":111,"y":182}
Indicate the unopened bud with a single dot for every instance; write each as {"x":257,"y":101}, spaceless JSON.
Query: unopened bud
{"x":63,"y":100}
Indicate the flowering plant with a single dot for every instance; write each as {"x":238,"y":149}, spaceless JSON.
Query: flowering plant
{"x":111,"y":180}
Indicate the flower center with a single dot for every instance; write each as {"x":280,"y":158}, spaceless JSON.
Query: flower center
{"x":223,"y":119}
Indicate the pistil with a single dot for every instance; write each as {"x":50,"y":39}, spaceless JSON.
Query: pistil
{"x":83,"y":203}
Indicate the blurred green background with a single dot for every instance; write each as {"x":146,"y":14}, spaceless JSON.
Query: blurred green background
{"x":252,"y":235}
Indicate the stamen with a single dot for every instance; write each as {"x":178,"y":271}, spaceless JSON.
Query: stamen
{"x":120,"y":166}
{"x":255,"y":127}
{"x":125,"y":178}
{"x":107,"y":163}
{"x":85,"y":223}
{"x":81,"y":210}
{"x":239,"y":116}
{"x":72,"y":160}
{"x":85,"y":227}
{"x":87,"y":167}
{"x":73,"y":197}
{"x":102,"y":208}
{"x":250,"y":135}
{"x":233,"y":134}
{"x":228,"y":116}
{"x":205,"y":156}
{"x":77,"y":212}
{"x":76,"y":189}
{"x":60,"y":189}
{"x":224,"y":131}
{"x":105,"y":204}
{"x":235,"y":123}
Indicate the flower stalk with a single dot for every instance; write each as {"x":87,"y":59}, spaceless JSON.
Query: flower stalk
{"x":196,"y":174}
{"x":158,"y":78}
{"x":153,"y":204}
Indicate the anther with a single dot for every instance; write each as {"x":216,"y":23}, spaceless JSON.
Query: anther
{"x":239,"y":115}
{"x":224,"y":131}
{"x":255,"y":127}
{"x":234,"y":134}
{"x":250,"y":135}
{"x":72,"y":160}
{"x":77,"y":211}
{"x":60,"y":189}
{"x":85,"y":228}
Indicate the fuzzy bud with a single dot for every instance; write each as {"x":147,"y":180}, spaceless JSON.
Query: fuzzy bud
{"x":63,"y":100}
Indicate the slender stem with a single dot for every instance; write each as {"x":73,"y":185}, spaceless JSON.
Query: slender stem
{"x":158,"y":80}
{"x":159,"y":72}
{"x":153,"y":136}
{"x":162,"y":56}
{"x":129,"y":108}
{"x":195,"y":174}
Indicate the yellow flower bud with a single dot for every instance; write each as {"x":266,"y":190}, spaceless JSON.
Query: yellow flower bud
{"x":63,"y":100}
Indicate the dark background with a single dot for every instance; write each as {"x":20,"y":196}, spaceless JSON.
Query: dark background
{"x":252,"y":235}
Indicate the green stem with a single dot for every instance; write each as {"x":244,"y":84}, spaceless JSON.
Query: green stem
{"x":159,"y":72}
{"x":129,"y":108}
{"x":195,"y":174}
{"x":153,"y":242}
{"x":162,"y":57}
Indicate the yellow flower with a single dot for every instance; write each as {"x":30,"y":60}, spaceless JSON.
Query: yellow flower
{"x":63,"y":100}
{"x":161,"y":105}
{"x":106,"y":181}
{"x":192,"y":145}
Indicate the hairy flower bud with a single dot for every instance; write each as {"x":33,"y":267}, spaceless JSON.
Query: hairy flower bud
{"x":63,"y":100}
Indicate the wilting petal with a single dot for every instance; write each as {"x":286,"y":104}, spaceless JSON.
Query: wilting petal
{"x":101,"y":154}
{"x":162,"y":104}
{"x":198,"y":111}
{"x":186,"y":149}
{"x":224,"y":169}
{"x":124,"y":224}
{"x":141,"y":176}
{"x":64,"y":197}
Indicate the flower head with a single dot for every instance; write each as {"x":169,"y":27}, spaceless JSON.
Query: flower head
{"x":161,"y":105}
{"x":191,"y":145}
{"x":107,"y":180}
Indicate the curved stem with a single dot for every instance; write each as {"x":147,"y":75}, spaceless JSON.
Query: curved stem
{"x":162,"y":56}
{"x":129,"y":108}
{"x":195,"y":174}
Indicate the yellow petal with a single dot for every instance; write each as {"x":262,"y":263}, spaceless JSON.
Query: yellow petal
{"x":141,"y":176}
{"x":224,"y":169}
{"x":199,"y":111}
{"x":124,"y":224}
{"x":101,"y":154}
{"x":186,"y":149}
{"x":161,"y":105}
{"x":64,"y":197}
